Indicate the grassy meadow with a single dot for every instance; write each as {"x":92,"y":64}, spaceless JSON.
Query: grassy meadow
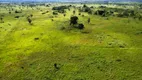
{"x":108,"y":48}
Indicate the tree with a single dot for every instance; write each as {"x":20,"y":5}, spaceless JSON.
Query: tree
{"x":73,"y":20}
{"x":84,"y":5}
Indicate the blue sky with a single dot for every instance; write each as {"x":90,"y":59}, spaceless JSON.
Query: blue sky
{"x":70,"y":0}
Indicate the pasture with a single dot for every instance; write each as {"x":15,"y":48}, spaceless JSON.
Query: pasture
{"x":38,"y":42}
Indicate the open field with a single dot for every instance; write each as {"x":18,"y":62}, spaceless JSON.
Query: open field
{"x":49,"y":48}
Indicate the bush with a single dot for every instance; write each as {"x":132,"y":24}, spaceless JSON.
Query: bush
{"x":9,"y":12}
{"x":31,"y":15}
{"x":17,"y":16}
{"x":18,"y":11}
{"x":102,"y":7}
{"x":55,"y":13}
{"x":80,"y":26}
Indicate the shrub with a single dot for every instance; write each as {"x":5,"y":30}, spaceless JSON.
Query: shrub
{"x":47,"y":5}
{"x":36,"y":39}
{"x":80,"y":26}
{"x":18,"y":11}
{"x":9,"y":12}
{"x":102,"y":6}
{"x":55,"y":13}
{"x":17,"y":16}
{"x":31,"y":15}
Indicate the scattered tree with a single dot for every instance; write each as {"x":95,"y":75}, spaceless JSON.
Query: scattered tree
{"x":73,"y":20}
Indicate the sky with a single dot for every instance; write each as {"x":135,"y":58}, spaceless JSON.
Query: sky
{"x":76,"y":0}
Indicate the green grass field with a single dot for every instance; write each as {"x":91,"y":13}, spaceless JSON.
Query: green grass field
{"x":107,"y":49}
